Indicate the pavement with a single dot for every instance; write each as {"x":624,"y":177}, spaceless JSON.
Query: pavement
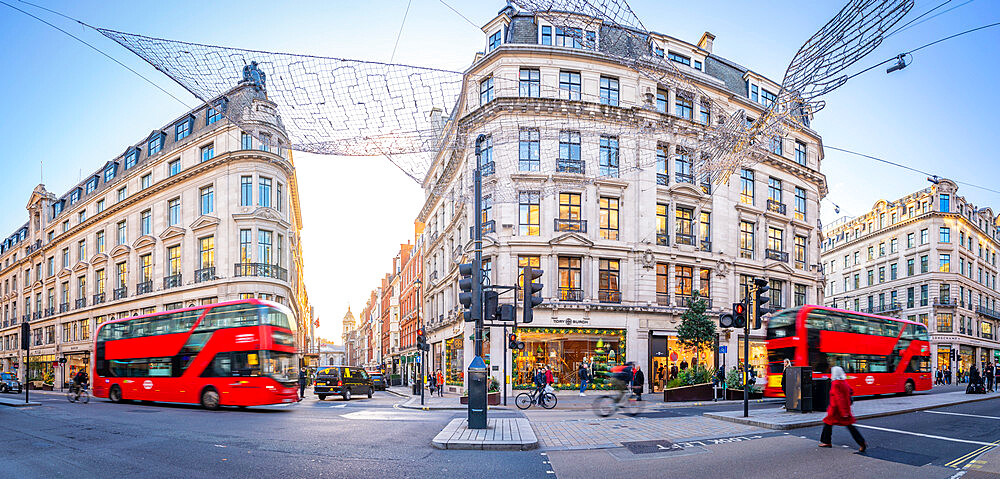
{"x":863,"y":408}
{"x":501,"y":434}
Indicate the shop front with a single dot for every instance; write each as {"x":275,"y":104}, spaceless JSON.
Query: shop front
{"x":966,"y":358}
{"x":42,"y":371}
{"x":668,"y":358}
{"x":758,"y":360}
{"x":564,"y":350}
{"x":75,"y":362}
{"x":454,"y":361}
{"x":984,"y":357}
{"x":943,"y":357}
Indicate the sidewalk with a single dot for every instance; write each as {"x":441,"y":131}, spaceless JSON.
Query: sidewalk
{"x":501,"y":434}
{"x":449,"y":401}
{"x":863,"y":408}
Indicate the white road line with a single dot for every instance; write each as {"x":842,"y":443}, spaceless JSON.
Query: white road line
{"x":931,"y":436}
{"x":963,"y":414}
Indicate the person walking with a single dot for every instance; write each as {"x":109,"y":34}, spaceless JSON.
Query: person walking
{"x":303,"y":380}
{"x":584,"y":377}
{"x":988,"y":374}
{"x":549,"y":379}
{"x":939,"y":377}
{"x":996,"y":376}
{"x":440,"y":383}
{"x":947,"y":375}
{"x":838,"y":413}
{"x":638,"y":380}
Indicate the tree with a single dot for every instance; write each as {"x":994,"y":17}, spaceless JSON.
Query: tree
{"x":696,"y":328}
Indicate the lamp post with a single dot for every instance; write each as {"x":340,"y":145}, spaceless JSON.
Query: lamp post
{"x":420,"y":327}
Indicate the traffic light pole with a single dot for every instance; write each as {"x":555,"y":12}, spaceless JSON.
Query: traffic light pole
{"x":746,"y":358}
{"x":477,"y":405}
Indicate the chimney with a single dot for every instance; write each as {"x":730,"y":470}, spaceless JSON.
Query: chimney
{"x":706,"y":41}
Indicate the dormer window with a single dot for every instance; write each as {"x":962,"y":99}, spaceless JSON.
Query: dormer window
{"x":697,"y":65}
{"x":753,"y":93}
{"x":495,"y":40}
{"x":658,"y":51}
{"x":92,"y":184}
{"x":546,"y":35}
{"x":214,"y":112}
{"x":768,"y":99}
{"x":183,"y":129}
{"x":110,"y":172}
{"x":131,"y":157}
{"x":74,"y":196}
{"x":57,"y":208}
{"x":155,"y":143}
{"x":679,"y":58}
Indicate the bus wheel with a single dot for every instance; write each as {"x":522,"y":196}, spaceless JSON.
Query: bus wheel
{"x":210,"y":399}
{"x":115,"y":395}
{"x":909,"y":387}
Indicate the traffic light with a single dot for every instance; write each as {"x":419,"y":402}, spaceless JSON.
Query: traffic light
{"x":513,"y":343}
{"x":505,"y":313}
{"x":726,"y":320}
{"x":761,"y":297}
{"x":25,"y":335}
{"x":422,"y":341}
{"x":739,"y":315}
{"x":530,"y":288}
{"x":473,"y":304}
{"x":491,"y":305}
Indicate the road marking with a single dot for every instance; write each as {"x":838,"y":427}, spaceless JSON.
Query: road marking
{"x":963,"y":414}
{"x":930,"y":436}
{"x":971,"y":455}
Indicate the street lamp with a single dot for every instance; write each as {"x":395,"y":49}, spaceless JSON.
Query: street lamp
{"x":420,"y":327}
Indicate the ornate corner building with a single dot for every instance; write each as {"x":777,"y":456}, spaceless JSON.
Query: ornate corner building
{"x":614,"y":212}
{"x":197,"y":212}
{"x":931,"y":257}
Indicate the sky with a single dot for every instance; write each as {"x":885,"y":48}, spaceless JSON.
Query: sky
{"x":72,"y":109}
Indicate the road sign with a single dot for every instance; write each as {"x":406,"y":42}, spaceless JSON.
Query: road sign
{"x":723,"y":349}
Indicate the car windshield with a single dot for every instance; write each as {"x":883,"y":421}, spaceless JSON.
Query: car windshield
{"x":280,"y":366}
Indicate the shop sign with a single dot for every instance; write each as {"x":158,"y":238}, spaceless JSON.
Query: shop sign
{"x":571,"y":321}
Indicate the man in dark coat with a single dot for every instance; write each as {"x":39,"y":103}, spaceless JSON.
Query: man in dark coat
{"x":638,"y":378}
{"x":303,"y":379}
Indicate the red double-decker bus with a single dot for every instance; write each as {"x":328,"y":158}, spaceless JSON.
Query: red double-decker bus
{"x":880,"y":355}
{"x":238,"y":353}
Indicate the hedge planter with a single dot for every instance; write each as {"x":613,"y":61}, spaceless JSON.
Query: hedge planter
{"x":492,"y":399}
{"x":697,"y":392}
{"x":737,"y":394}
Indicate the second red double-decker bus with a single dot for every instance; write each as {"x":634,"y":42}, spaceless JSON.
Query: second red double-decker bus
{"x":239,"y":353}
{"x":880,"y":355}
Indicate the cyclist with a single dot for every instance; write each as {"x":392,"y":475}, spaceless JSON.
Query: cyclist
{"x":621,"y":378}
{"x":540,"y":382}
{"x":80,"y":381}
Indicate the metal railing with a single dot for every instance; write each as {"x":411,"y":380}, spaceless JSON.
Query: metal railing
{"x":144,"y":287}
{"x":260,"y":269}
{"x":120,"y":293}
{"x":98,"y":298}
{"x":989,"y":313}
{"x":488,"y":168}
{"x":172,"y":281}
{"x":50,"y":311}
{"x":63,"y":307}
{"x":662,"y":239}
{"x":204,"y":274}
{"x":776,"y":255}
{"x":945,"y":301}
{"x":684,"y":178}
{"x":706,"y":245}
{"x":488,"y":227}
{"x":882,"y":308}
{"x":609,"y":296}
{"x":682,"y":238}
{"x":663,"y":179}
{"x":579,"y":226}
{"x":775,"y":207}
{"x":570,"y":294}
{"x":81,"y":303}
{"x":571,"y":166}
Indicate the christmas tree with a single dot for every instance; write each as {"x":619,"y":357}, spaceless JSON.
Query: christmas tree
{"x":601,"y":367}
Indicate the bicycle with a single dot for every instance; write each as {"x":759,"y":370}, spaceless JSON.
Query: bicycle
{"x":78,"y":393}
{"x":608,"y":404}
{"x":546,"y":400}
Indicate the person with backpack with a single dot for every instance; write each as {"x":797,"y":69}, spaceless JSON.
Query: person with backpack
{"x":584,"y":377}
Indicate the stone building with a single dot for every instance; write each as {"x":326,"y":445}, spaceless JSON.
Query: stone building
{"x":929,"y":257}
{"x":197,"y":212}
{"x":624,"y":229}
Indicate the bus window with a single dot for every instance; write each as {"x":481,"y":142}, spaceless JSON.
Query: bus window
{"x":275,"y":317}
{"x":232,"y":316}
{"x":245,"y":363}
{"x":219,"y":367}
{"x":782,"y":325}
{"x":776,"y":358}
{"x":891,"y":328}
{"x":919,"y":365}
{"x":857,"y":325}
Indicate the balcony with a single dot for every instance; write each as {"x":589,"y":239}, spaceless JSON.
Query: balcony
{"x":989,"y":313}
{"x":662,"y":179}
{"x":685,"y":239}
{"x":488,"y":168}
{"x":26,"y":317}
{"x":883,"y":308}
{"x":204,"y":274}
{"x":609,"y":296}
{"x":172,"y":281}
{"x":662,"y":299}
{"x":488,"y":227}
{"x":775,"y":207}
{"x":50,"y":311}
{"x":98,"y":298}
{"x":945,"y":301}
{"x":120,"y":293}
{"x":571,"y":166}
{"x":144,"y":287}
{"x":706,"y":245}
{"x":63,"y":307}
{"x":684,"y":178}
{"x":570,"y":294}
{"x":81,"y":303}
{"x":662,"y":239}
{"x":578,"y":226}
{"x":776,"y":255}
{"x":36,"y":315}
{"x":261,"y":270}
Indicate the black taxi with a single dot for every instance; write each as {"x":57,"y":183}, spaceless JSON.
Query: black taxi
{"x":344,"y":381}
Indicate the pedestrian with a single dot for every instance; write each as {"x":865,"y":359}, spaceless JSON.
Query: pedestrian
{"x":838,"y":413}
{"x":431,"y":382}
{"x":947,"y":375}
{"x":584,"y":376}
{"x":939,"y":377}
{"x":549,"y":380}
{"x":673,"y":371}
{"x":787,"y":363}
{"x":684,"y":364}
{"x":988,"y":373}
{"x":638,"y":380}
{"x":539,"y":381}
{"x":440,"y":383}
{"x":303,"y":379}
{"x":996,"y":376}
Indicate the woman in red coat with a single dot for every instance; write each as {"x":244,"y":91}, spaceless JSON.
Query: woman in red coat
{"x":838,"y":413}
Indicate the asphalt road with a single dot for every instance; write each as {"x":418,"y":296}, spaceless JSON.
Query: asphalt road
{"x":362,"y":438}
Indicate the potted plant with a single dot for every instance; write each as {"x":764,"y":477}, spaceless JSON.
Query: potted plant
{"x":492,"y":394}
{"x":697,"y":331}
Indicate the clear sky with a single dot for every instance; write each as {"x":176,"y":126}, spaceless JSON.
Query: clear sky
{"x":67,"y":106}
